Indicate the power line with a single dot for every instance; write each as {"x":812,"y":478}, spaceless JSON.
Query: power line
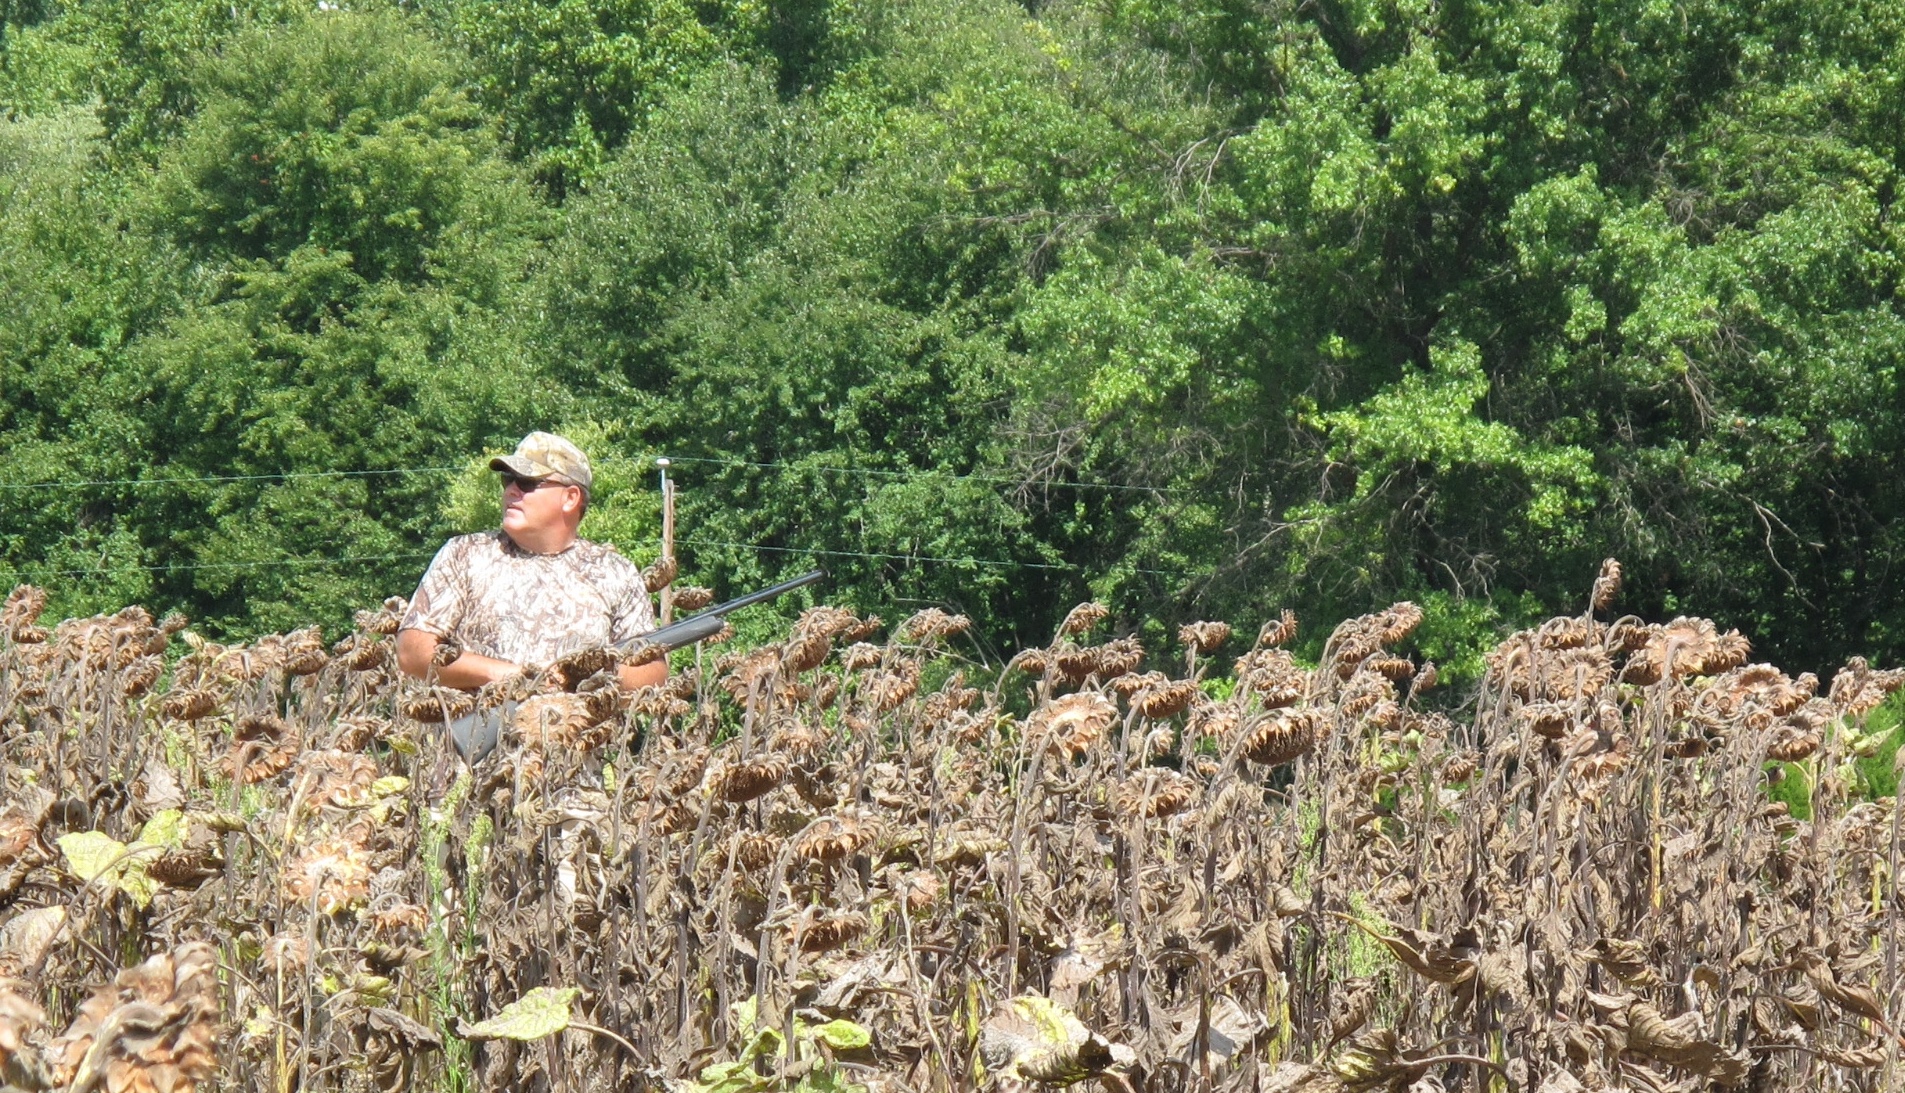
{"x":775,"y":466}
{"x":871,"y":473}
{"x":269,"y":563}
{"x":221,"y":478}
{"x":1065,"y":566}
{"x":780,"y":466}
{"x":295,"y":563}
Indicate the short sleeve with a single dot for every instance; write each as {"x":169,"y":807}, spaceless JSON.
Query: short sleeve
{"x":440,"y":601}
{"x":635,"y":614}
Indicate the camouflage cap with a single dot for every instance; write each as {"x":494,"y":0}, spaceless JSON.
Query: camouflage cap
{"x":546,"y":455}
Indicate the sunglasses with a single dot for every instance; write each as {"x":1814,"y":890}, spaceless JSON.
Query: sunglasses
{"x":527,"y":485}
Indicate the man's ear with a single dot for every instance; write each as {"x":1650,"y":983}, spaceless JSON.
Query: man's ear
{"x":572,"y":499}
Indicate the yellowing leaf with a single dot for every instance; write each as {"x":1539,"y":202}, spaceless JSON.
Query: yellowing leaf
{"x":542,"y":1012}
{"x":166,"y":828}
{"x":95,"y":855}
{"x":1033,"y":1038}
{"x":842,"y":1035}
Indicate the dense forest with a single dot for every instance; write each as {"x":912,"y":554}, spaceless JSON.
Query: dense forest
{"x":1203,"y":308}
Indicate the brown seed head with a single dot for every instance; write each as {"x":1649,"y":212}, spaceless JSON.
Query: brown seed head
{"x":1205,"y":637}
{"x":1072,"y":725}
{"x":1117,"y":657}
{"x":932,"y":625}
{"x":190,"y":703}
{"x":334,"y":870}
{"x":1279,"y":632}
{"x":660,"y":575}
{"x":1607,"y":585}
{"x":1155,"y":793}
{"x":832,"y":838}
{"x":820,"y":931}
{"x":436,"y":705}
{"x":337,"y":779}
{"x":22,"y":607}
{"x":803,"y":653}
{"x":1280,"y":737}
{"x":895,"y":685}
{"x":747,"y":779}
{"x":1166,"y":699}
{"x":693,"y":598}
{"x":1399,"y":622}
{"x":265,"y":746}
{"x":1082,"y":618}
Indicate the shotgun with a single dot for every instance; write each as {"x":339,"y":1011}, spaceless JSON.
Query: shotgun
{"x":475,"y":735}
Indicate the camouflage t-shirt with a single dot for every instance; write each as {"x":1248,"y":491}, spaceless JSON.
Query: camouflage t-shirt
{"x":496,"y":599}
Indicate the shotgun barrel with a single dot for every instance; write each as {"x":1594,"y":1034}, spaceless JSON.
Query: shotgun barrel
{"x":705,"y":625}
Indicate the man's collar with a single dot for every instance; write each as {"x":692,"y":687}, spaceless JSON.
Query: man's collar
{"x":512,"y":547}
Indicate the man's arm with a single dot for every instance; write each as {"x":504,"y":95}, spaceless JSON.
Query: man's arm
{"x":416,"y":648}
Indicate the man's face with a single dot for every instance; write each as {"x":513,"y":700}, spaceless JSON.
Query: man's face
{"x":535,"y":504}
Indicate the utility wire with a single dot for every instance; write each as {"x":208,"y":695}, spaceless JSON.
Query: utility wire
{"x":871,"y":473}
{"x":782,"y":467}
{"x":1065,"y":566}
{"x":161,"y":481}
{"x":288,"y":563}
{"x":776,"y":466}
{"x":292,"y":563}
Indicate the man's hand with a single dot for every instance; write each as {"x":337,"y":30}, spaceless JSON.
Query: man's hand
{"x":652,"y":674}
{"x":468,"y":672}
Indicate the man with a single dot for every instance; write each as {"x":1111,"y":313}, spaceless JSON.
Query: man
{"x":530,"y":593}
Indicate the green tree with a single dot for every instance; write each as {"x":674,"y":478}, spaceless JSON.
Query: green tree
{"x":571,"y":79}
{"x":81,"y":281}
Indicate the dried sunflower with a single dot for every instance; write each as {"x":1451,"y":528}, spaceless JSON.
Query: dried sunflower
{"x":660,"y":575}
{"x":437,"y":705}
{"x":747,"y":779}
{"x":1117,"y":657}
{"x":336,"y":779}
{"x":1166,"y":699}
{"x":1205,"y":637}
{"x":1606,"y":586}
{"x":1072,"y":725}
{"x":558,"y":721}
{"x":1082,"y":618}
{"x":190,"y":703}
{"x":1279,"y":737}
{"x":386,"y":620}
{"x":262,"y":748}
{"x":1156,"y":793}
{"x":335,"y":871}
{"x":895,"y":685}
{"x":1278,"y":632}
{"x":819,"y":931}
{"x":832,"y":838}
{"x":932,"y":625}
{"x":153,"y":1030}
{"x":693,"y":598}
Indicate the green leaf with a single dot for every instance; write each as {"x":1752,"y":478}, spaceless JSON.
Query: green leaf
{"x":95,"y":855}
{"x":842,"y":1035}
{"x":728,"y":1078}
{"x":542,"y":1012}
{"x":166,"y":828}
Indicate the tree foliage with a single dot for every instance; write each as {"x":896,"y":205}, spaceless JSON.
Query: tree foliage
{"x":1200,"y":306}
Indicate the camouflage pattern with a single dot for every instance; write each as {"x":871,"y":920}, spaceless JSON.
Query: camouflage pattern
{"x":546,"y":455}
{"x":496,"y":599}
